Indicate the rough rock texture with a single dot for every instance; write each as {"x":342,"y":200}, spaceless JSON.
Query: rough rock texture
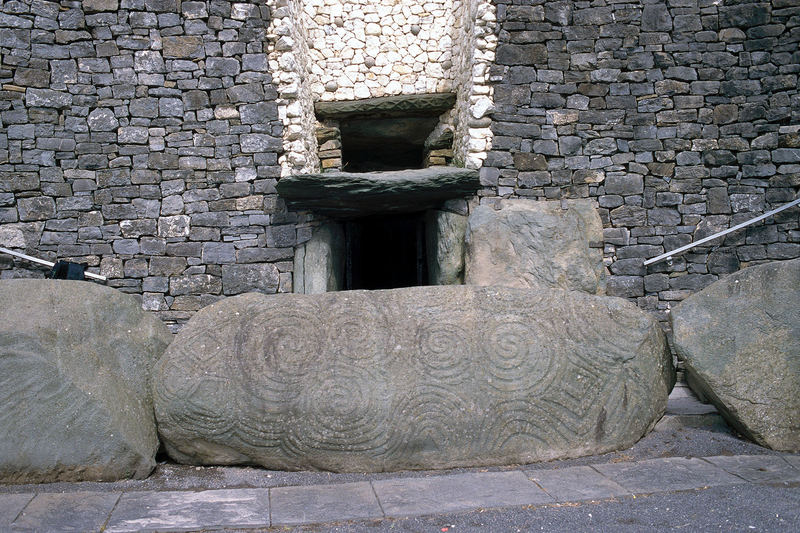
{"x":403,"y":105}
{"x":422,"y":377}
{"x":740,"y":338}
{"x":319,"y":263}
{"x":445,"y":242}
{"x":75,"y":404}
{"x":348,"y":194}
{"x":530,"y":244}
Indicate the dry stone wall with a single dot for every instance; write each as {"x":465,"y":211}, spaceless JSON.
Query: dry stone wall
{"x":145,"y":137}
{"x":680,"y":117}
{"x":142,"y":137}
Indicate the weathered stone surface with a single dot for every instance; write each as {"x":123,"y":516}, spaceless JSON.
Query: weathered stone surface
{"x":346,"y":193}
{"x":319,"y":263}
{"x":532,"y":244}
{"x":387,"y":106}
{"x":75,"y":359}
{"x":422,"y":377}
{"x":445,"y":244}
{"x":740,"y":339}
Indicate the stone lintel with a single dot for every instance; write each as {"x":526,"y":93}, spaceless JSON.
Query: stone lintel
{"x":347,"y":194}
{"x":387,"y":106}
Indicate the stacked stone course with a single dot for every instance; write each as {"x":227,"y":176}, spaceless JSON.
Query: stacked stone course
{"x":145,"y":137}
{"x":680,"y":117}
{"x":141,"y":137}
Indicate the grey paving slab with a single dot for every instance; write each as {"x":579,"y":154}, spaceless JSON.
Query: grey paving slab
{"x":73,"y":511}
{"x":323,"y":503}
{"x":793,"y":460}
{"x":459,"y":492}
{"x":576,"y":483}
{"x":10,"y":507}
{"x":757,"y":468}
{"x":664,"y":475}
{"x":183,"y":510}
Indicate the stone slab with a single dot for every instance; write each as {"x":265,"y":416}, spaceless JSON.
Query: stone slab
{"x":11,"y":505}
{"x":75,"y":361}
{"x":576,"y":483}
{"x":664,"y":475}
{"x":432,"y":104}
{"x":459,"y":492}
{"x":414,"y":378}
{"x":741,"y":333}
{"x":348,"y":194}
{"x":793,"y":460}
{"x":73,"y":511}
{"x":323,"y":503}
{"x":757,"y":468}
{"x":524,"y":243}
{"x":190,"y":511}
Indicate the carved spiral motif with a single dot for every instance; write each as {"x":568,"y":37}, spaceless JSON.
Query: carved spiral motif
{"x":342,"y":412}
{"x":347,"y":329}
{"x":516,"y":361}
{"x":280,"y":343}
{"x":444,"y":350}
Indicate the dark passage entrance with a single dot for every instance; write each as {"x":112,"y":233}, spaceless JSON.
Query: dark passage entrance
{"x":385,"y":252}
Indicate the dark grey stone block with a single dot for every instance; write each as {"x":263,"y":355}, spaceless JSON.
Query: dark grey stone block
{"x":576,"y":483}
{"x":663,"y":475}
{"x":74,"y":511}
{"x":343,"y":193}
{"x":323,"y":503}
{"x":190,"y":511}
{"x":460,"y":492}
{"x":757,"y":468}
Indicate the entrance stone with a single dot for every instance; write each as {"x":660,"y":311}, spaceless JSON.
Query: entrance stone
{"x":536,"y":244}
{"x":740,"y":339}
{"x":75,"y":404}
{"x":420,"y":377}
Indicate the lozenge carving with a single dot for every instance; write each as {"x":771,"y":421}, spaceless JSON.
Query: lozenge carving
{"x":424,"y":377}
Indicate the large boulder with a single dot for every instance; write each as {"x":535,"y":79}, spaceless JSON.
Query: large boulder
{"x":75,"y":403}
{"x":526,"y":243}
{"x":740,"y":340}
{"x":421,"y":377}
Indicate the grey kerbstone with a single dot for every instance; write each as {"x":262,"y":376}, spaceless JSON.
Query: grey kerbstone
{"x":75,"y":361}
{"x":423,"y":377}
{"x":576,"y":483}
{"x":459,"y":492}
{"x":345,"y":193}
{"x":73,"y":511}
{"x":184,"y":511}
{"x":740,"y":339}
{"x":664,"y":475}
{"x":757,"y":468}
{"x":529,"y":244}
{"x":10,"y":507}
{"x":323,"y":503}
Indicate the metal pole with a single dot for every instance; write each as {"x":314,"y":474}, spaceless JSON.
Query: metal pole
{"x":669,"y":255}
{"x":46,"y":263}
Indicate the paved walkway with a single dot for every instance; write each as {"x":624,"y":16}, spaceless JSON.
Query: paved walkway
{"x":124,"y":511}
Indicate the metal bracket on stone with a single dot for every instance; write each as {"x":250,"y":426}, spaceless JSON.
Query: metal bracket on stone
{"x":61,"y":270}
